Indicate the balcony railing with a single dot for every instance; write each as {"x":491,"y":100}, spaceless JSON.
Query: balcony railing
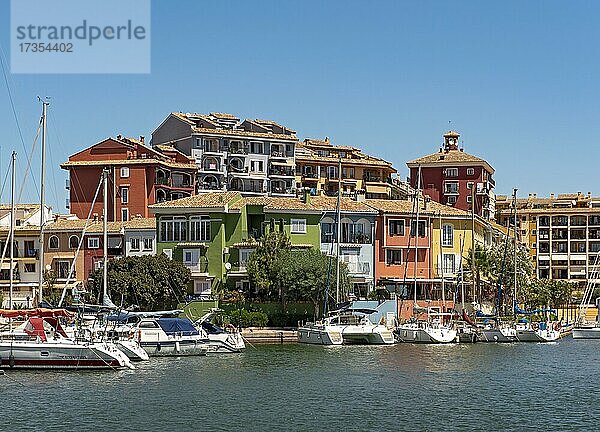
{"x":281,"y":172}
{"x":362,"y":268}
{"x":238,"y":150}
{"x":312,"y":175}
{"x":196,"y":266}
{"x":282,"y":190}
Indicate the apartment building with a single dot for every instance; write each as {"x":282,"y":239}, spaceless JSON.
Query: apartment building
{"x":452,"y":177}
{"x":138,"y":176}
{"x":253,"y":157}
{"x":317,"y":168}
{"x":562,"y":233}
{"x":26,"y":264}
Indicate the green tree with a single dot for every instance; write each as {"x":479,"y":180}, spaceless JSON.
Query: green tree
{"x":52,"y":291}
{"x":479,"y":269}
{"x":261,"y":263}
{"x":303,"y":275}
{"x":148,"y":282}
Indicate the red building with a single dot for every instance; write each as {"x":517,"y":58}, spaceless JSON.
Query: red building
{"x":450,"y":175}
{"x":138,"y":176}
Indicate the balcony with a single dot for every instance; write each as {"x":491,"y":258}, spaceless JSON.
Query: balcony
{"x":310,"y":175}
{"x":196,"y":267}
{"x":238,"y":150}
{"x":361,"y":268}
{"x":281,"y":171}
{"x":372,"y":178}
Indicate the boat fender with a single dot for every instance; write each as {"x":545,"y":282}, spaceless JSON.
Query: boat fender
{"x":11,"y":360}
{"x":158,"y":347}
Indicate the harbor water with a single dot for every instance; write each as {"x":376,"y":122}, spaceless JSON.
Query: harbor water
{"x":294,"y":387}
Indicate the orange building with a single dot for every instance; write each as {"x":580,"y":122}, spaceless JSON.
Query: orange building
{"x":138,"y":176}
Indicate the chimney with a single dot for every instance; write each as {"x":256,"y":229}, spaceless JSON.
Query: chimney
{"x":306,"y":196}
{"x":551,"y":196}
{"x":95,"y":217}
{"x":142,"y":138}
{"x":529,"y":195}
{"x":360,"y":196}
{"x":589,"y":194}
{"x":119,"y":136}
{"x":535,"y":195}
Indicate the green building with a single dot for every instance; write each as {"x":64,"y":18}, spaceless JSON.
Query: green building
{"x":213,"y":234}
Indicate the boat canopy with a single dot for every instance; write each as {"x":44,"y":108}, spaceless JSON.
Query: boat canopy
{"x":35,"y":327}
{"x":181,"y":326}
{"x":39,"y":313}
{"x":129,"y":316}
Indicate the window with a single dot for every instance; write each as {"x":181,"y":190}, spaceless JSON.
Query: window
{"x":134,"y":242}
{"x":533,"y":232}
{"x":449,"y":263}
{"x":421,"y":228}
{"x":29,"y":267}
{"x":202,"y":287}
{"x":53,"y":242}
{"x":73,"y":242}
{"x":451,"y":187}
{"x":62,"y":269}
{"x":395,"y":227}
{"x":393,"y":256}
{"x":469,"y":185}
{"x":451,"y":172}
{"x":173,"y":228}
{"x":447,"y":235}
{"x":124,"y":195}
{"x":470,"y":171}
{"x":327,"y":232}
{"x":469,"y":198}
{"x":200,"y":228}
{"x":148,"y":244}
{"x":257,"y":166}
{"x":298,"y":226}
{"x":124,"y":172}
{"x":332,"y":172}
{"x":244,"y":255}
{"x":256,"y":147}
{"x":451,"y":200}
{"x":29,"y":249}
{"x":125,"y":214}
{"x":93,"y":242}
{"x":348,"y":172}
{"x":198,"y":142}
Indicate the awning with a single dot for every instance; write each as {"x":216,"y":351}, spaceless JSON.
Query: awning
{"x":376,"y":189}
{"x":6,"y":265}
{"x":286,"y":163}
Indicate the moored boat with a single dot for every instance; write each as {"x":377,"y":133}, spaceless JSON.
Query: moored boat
{"x":170,"y":337}
{"x":228,"y":340}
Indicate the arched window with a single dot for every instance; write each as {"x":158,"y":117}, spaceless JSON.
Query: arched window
{"x":53,"y":242}
{"x":447,"y":235}
{"x":73,"y":242}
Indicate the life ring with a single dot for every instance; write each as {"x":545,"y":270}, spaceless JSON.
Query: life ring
{"x":535,"y":326}
{"x":557,"y":326}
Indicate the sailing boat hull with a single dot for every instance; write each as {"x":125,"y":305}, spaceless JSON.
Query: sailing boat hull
{"x":411,"y":334}
{"x":496,"y":335}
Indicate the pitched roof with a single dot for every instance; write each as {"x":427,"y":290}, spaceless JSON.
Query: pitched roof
{"x":98,"y":226}
{"x":446,"y":156}
{"x":204,"y":200}
{"x":406,"y":207}
{"x":346,"y":204}
{"x":149,"y":161}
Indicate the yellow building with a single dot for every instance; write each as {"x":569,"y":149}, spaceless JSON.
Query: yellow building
{"x":317,"y":166}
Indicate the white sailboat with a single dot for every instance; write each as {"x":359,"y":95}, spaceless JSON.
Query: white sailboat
{"x":583,"y":328}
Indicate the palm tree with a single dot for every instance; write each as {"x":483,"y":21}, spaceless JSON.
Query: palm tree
{"x":480,"y":269}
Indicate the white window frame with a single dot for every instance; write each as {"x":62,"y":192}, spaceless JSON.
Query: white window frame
{"x":202,"y":286}
{"x":134,"y":244}
{"x":470,"y":171}
{"x":199,"y":227}
{"x":448,"y":183}
{"x":446,"y":260}
{"x":397,"y":221}
{"x":148,"y":244}
{"x":447,"y":235}
{"x":451,"y":199}
{"x":124,"y":195}
{"x":124,"y":172}
{"x":77,"y":242}
{"x":298,"y":226}
{"x":451,"y":172}
{"x":244,"y":255}
{"x":93,"y":243}
{"x":389,"y":252}
{"x":125,"y":214}
{"x":50,"y":242}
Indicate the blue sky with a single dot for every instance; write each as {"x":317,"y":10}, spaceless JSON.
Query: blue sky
{"x":518,"y":80}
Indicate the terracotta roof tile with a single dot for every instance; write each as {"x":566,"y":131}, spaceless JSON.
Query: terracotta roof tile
{"x":237,"y":132}
{"x":406,"y":207}
{"x":204,"y":200}
{"x":346,"y":204}
{"x":446,"y":156}
{"x":150,"y":161}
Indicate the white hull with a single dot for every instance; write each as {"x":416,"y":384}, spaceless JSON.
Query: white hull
{"x":422,"y":333}
{"x":320,"y":335}
{"x":586,"y":332}
{"x":48,"y":355}
{"x":175,"y":347}
{"x":367,"y":334}
{"x":222,"y":343}
{"x":132,"y":349}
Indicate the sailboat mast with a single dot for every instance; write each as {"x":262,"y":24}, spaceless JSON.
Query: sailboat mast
{"x":11,"y":243}
{"x":473,"y":238}
{"x":442,"y":261}
{"x":339,"y":231}
{"x":104,"y":237}
{"x":42,"y":200}
{"x":417,"y":231}
{"x":515,"y":253}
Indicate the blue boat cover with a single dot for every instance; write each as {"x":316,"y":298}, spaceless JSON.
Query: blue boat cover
{"x":182,"y":326}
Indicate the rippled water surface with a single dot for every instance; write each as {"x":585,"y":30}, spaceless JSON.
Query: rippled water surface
{"x":306,"y":388}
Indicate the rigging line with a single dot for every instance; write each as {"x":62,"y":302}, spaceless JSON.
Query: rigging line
{"x":3,"y":65}
{"x":29,"y":158}
{"x":58,"y":141}
{"x":4,"y":182}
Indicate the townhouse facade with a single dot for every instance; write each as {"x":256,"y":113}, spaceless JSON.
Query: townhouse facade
{"x":138,"y":177}
{"x":253,"y":157}
{"x":318,"y":169}
{"x":561,"y":232}
{"x":26,"y":254}
{"x":455,"y":178}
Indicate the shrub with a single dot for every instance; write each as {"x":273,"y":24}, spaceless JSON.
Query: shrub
{"x":248,"y":318}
